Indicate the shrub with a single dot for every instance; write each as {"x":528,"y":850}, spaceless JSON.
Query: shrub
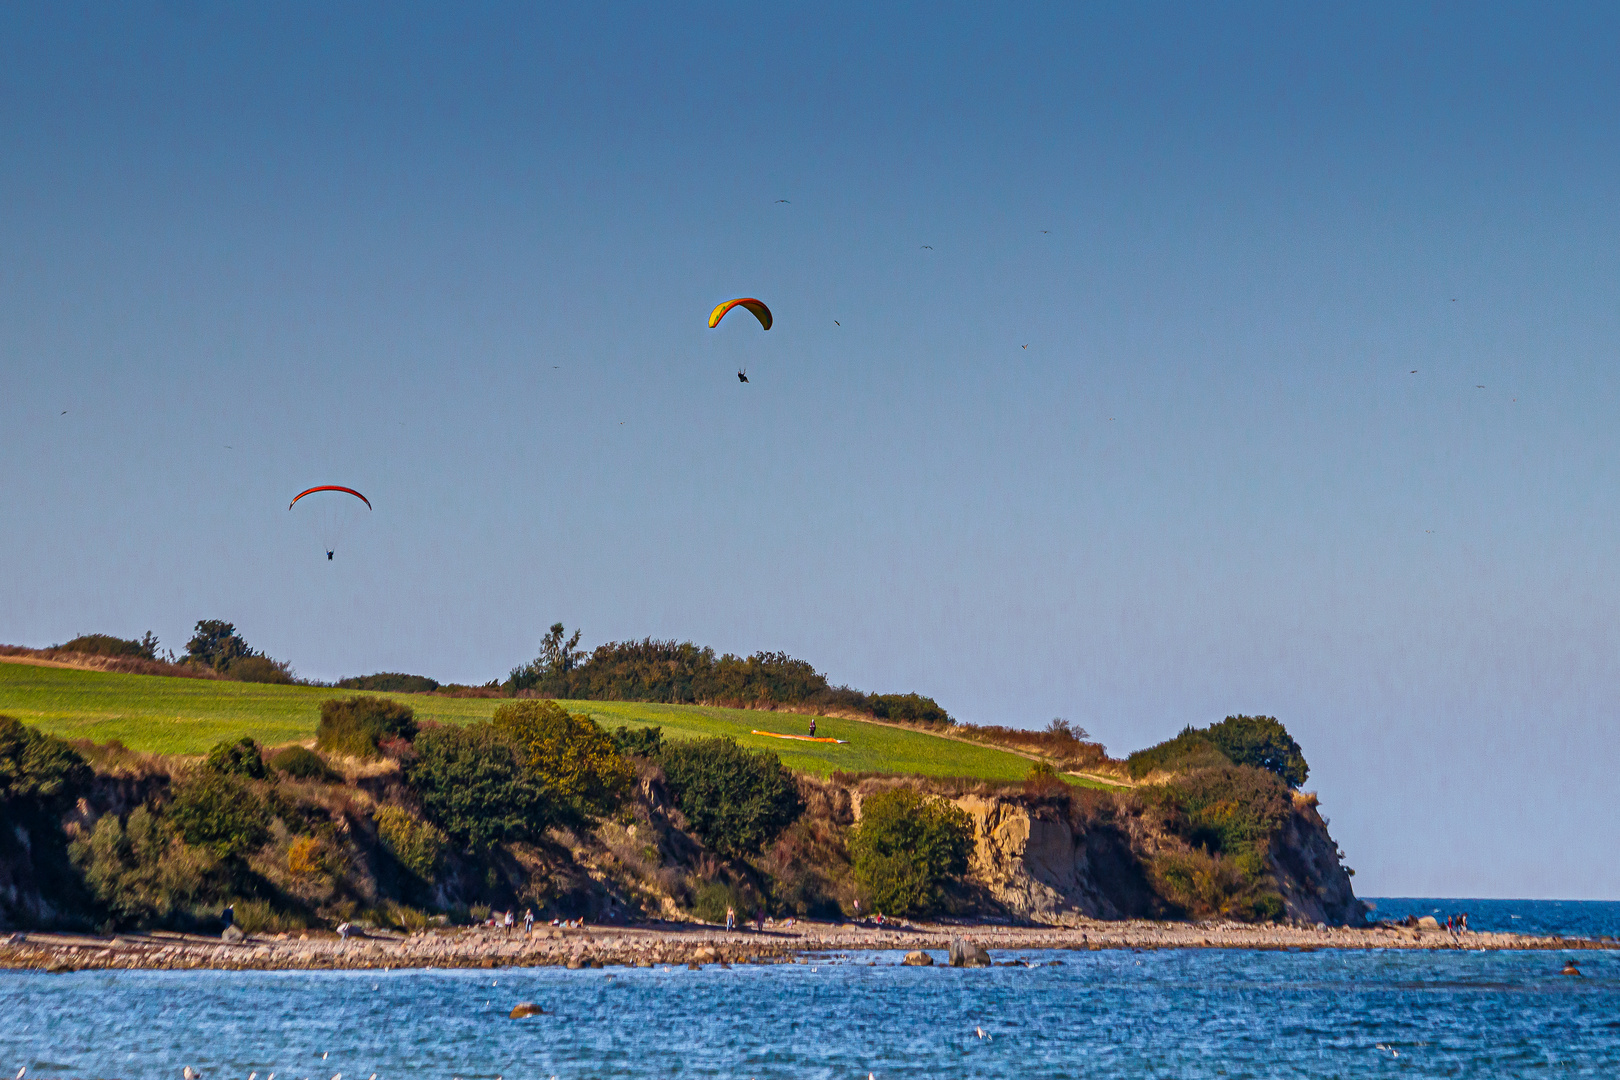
{"x":473,"y":785}
{"x":415,"y":843}
{"x":570,"y":754}
{"x":736,"y":800}
{"x":144,"y":648}
{"x":141,"y":874}
{"x":390,"y":682}
{"x":39,"y":773}
{"x":220,"y":812}
{"x":642,"y":742}
{"x":241,"y":758}
{"x":260,"y":669}
{"x":355,"y":726}
{"x":304,"y":857}
{"x":1192,"y":749}
{"x":907,"y":848}
{"x":909,"y":707}
{"x":1261,"y":741}
{"x":1228,"y":814}
{"x":711,"y":899}
{"x":262,"y":917}
{"x":303,"y":764}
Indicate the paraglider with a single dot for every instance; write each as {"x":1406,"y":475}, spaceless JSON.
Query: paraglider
{"x":333,"y":515}
{"x":761,"y":312}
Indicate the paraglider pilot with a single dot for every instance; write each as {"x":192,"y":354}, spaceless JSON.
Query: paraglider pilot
{"x":328,"y":556}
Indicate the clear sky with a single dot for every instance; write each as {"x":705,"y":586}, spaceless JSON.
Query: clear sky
{"x":1187,"y":360}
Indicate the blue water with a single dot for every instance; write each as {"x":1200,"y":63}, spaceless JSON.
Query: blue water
{"x":1184,"y":1014}
{"x":1571,"y":918}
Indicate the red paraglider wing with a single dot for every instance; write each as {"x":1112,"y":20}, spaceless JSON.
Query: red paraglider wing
{"x":331,"y":487}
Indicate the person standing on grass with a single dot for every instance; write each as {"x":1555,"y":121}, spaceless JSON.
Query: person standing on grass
{"x":812,"y":727}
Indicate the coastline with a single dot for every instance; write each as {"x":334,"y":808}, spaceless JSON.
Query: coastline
{"x":651,"y":945}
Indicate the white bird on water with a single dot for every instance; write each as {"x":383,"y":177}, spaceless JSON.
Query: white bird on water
{"x":253,"y":1075}
{"x":191,"y":1074}
{"x":21,"y":1071}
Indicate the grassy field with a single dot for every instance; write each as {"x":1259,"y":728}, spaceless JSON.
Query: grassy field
{"x":164,"y":715}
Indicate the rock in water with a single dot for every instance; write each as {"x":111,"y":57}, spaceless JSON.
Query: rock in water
{"x":526,"y":1008}
{"x":918,"y":958}
{"x":965,"y":953}
{"x":1428,"y":922}
{"x":232,"y":933}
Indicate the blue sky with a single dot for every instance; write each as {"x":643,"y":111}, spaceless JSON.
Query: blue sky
{"x":1135,"y":439}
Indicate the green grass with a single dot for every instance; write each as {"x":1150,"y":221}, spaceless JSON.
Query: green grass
{"x":157,"y":714}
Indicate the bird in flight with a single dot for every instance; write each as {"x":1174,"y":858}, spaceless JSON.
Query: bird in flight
{"x":1045,"y":231}
{"x":928,"y":247}
{"x":781,"y":200}
{"x":1479,"y":386}
{"x":1414,"y":371}
{"x":1453,"y":299}
{"x":742,"y":376}
{"x":1023,"y":346}
{"x":837,"y":323}
{"x":64,"y":412}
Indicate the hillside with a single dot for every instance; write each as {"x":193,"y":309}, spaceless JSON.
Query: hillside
{"x":165,"y":715}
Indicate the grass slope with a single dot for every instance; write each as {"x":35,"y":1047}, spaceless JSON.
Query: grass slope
{"x":157,"y":714}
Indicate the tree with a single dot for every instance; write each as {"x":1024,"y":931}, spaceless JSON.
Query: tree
{"x":737,"y":801}
{"x":473,"y":785}
{"x":215,"y":643}
{"x":907,"y":847}
{"x":219,"y":811}
{"x":548,"y":672}
{"x":143,"y":648}
{"x":1261,"y":741}
{"x":39,"y":774}
{"x":570,"y":754}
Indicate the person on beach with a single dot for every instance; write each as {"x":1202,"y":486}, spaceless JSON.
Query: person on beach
{"x":228,"y":916}
{"x":857,"y":909}
{"x":528,"y":921}
{"x":343,"y":931}
{"x":759,"y":920}
{"x":731,"y":917}
{"x":507,"y":922}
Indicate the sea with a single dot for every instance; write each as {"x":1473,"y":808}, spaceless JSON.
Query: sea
{"x":862,"y":1016}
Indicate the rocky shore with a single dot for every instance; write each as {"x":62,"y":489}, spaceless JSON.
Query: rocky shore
{"x":683,"y":944}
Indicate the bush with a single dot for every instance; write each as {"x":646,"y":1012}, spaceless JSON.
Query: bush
{"x":736,"y":800}
{"x":415,"y":843}
{"x":569,"y":754}
{"x":141,"y":874}
{"x":473,"y":785}
{"x":390,"y":682}
{"x":241,"y":758}
{"x":711,"y":899}
{"x":356,"y":726}
{"x":1192,"y":749}
{"x":1228,"y":814}
{"x":302,"y":764}
{"x":144,"y":648}
{"x":1262,"y":742}
{"x":642,"y":742}
{"x":913,"y":708}
{"x":260,"y":669}
{"x":220,"y":812}
{"x":907,"y":848}
{"x":39,"y":773}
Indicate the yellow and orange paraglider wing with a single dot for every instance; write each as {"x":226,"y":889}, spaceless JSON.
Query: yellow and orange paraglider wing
{"x":761,"y":312}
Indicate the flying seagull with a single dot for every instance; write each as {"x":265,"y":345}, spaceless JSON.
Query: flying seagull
{"x":837,"y":323}
{"x":1479,"y":386}
{"x":928,"y":247}
{"x":1414,"y":371}
{"x":64,"y":413}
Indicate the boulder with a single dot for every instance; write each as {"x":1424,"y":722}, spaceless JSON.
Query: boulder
{"x":233,"y":933}
{"x":526,"y":1008}
{"x":1428,"y":922}
{"x":704,"y":955}
{"x":965,"y":953}
{"x":918,"y":958}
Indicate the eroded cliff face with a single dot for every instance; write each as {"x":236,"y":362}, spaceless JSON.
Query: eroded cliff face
{"x":1041,"y":865}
